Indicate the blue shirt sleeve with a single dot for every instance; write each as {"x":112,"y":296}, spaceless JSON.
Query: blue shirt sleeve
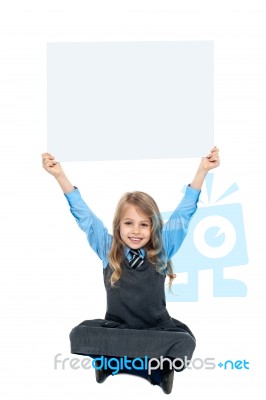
{"x":97,"y":235}
{"x":175,"y":229}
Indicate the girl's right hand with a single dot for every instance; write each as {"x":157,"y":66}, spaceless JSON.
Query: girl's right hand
{"x":51,"y":165}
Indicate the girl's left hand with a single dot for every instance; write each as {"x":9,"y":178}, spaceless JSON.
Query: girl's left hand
{"x":211,"y":161}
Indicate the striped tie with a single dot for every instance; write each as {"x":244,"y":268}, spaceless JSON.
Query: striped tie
{"x":136,"y":260}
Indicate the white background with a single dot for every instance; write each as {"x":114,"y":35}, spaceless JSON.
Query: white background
{"x":50,"y":279}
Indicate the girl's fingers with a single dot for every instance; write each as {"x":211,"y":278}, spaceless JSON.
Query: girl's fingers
{"x":214,"y":153}
{"x":47,"y":155}
{"x":215,"y":162}
{"x":213,"y":158}
{"x":49,"y":163}
{"x":214,"y":150}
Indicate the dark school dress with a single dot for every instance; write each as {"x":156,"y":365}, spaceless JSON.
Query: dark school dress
{"x":136,"y":323}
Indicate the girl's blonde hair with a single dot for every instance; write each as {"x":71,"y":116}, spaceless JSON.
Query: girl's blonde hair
{"x":155,"y":253}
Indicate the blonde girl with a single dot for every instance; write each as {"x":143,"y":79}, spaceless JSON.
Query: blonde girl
{"x":136,"y":259}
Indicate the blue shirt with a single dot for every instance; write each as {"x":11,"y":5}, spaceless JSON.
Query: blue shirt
{"x":100,"y":240}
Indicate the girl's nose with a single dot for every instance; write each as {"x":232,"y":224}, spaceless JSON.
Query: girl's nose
{"x":135,"y":229}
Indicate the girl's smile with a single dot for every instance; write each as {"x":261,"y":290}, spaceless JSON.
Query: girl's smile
{"x":135,"y":228}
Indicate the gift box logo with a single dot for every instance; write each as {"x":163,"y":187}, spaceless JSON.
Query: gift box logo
{"x":215,"y":240}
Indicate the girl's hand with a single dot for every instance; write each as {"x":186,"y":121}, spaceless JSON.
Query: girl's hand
{"x":207,"y":163}
{"x":51,"y":165}
{"x":211,"y":161}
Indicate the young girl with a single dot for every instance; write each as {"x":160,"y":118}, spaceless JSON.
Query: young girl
{"x":136,"y":260}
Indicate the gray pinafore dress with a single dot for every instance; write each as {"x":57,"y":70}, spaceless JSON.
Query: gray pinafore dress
{"x":136,"y":323}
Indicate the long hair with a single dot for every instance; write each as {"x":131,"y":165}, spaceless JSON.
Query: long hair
{"x":155,"y":253}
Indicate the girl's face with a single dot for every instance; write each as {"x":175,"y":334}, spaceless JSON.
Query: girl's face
{"x":135,"y":228}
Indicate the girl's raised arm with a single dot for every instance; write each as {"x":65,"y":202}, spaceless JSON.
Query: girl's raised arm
{"x":176,"y":228}
{"x":54,"y":168}
{"x":97,"y":235}
{"x":212,"y":160}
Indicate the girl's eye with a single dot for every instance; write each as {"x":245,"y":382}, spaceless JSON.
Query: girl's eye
{"x":144,"y":225}
{"x":127,"y":222}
